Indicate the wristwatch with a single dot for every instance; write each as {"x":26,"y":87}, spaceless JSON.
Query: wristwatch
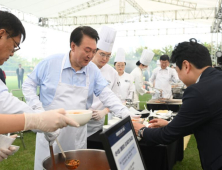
{"x":140,"y":132}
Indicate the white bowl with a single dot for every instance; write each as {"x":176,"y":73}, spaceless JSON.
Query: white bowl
{"x":82,"y":118}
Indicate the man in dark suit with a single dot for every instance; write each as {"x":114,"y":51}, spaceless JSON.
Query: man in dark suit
{"x":201,"y":111}
{"x":20,"y":75}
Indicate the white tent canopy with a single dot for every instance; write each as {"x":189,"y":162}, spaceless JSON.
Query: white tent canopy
{"x":138,"y":22}
{"x":147,"y":14}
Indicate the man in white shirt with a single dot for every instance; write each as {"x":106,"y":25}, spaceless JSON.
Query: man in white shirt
{"x":162,"y":78}
{"x":69,"y":81}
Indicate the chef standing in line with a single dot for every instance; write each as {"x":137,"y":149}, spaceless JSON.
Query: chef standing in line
{"x":107,"y":37}
{"x":126,"y":80}
{"x":137,"y":73}
{"x":69,"y":80}
{"x":162,"y":78}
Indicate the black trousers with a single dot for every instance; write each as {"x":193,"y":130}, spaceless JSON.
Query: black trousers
{"x":20,"y":81}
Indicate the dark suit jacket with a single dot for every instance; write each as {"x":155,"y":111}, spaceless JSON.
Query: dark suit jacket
{"x":200,"y":114}
{"x":17,"y":72}
{"x":2,"y":76}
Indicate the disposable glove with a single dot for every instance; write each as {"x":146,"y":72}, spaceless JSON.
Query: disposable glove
{"x":99,"y":114}
{"x":51,"y":136}
{"x":4,"y":153}
{"x":48,"y":121}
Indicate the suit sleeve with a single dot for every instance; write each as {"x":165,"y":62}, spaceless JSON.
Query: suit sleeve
{"x":193,"y":113}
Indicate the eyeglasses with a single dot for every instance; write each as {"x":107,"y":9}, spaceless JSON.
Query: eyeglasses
{"x":17,"y":46}
{"x":105,"y":55}
{"x":120,"y":66}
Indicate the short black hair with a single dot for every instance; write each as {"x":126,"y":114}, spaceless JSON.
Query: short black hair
{"x":164,"y":57}
{"x":77,"y":34}
{"x":193,"y":52}
{"x":138,"y":63}
{"x":12,"y":24}
{"x":116,"y":62}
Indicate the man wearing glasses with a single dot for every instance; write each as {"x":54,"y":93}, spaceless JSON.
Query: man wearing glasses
{"x":12,"y":33}
{"x":101,"y":58}
{"x":69,"y":81}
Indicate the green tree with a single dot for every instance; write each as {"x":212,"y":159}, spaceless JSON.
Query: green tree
{"x":167,"y":50}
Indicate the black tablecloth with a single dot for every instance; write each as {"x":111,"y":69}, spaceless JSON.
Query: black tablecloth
{"x":160,"y":157}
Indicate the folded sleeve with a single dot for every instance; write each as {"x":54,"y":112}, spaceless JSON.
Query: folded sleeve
{"x":111,"y":101}
{"x":29,"y":87}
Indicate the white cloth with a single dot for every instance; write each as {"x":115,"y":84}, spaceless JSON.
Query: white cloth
{"x":120,"y":55}
{"x":127,"y":86}
{"x":111,"y":75}
{"x":146,"y":57}
{"x":10,"y":104}
{"x":107,"y":37}
{"x":20,"y":71}
{"x":69,"y":97}
{"x":163,"y":79}
{"x":137,"y":74}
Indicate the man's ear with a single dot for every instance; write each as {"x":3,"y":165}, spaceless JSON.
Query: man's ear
{"x":2,"y":31}
{"x":187,"y":66}
{"x":73,"y":46}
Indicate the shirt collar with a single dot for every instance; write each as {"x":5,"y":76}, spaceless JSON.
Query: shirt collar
{"x":198,"y":79}
{"x":67,"y":64}
{"x":164,"y":69}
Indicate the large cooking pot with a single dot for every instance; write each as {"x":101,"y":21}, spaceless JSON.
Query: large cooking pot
{"x":90,"y":159}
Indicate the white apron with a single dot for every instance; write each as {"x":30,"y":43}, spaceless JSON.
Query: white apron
{"x":162,"y":81}
{"x":125,"y":86}
{"x":69,"y":97}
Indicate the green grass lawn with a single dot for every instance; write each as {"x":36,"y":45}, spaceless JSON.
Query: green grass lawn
{"x":24,"y":158}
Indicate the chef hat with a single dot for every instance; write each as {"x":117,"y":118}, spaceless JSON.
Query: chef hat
{"x":120,"y":55}
{"x":146,"y":57}
{"x":107,"y":37}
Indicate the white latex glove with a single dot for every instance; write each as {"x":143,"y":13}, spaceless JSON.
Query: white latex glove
{"x":51,"y":136}
{"x":48,"y":121}
{"x":99,"y":114}
{"x":4,"y":153}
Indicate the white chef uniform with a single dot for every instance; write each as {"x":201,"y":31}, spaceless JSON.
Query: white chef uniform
{"x":127,"y":87}
{"x":163,"y":79}
{"x":107,"y":37}
{"x":137,"y":73}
